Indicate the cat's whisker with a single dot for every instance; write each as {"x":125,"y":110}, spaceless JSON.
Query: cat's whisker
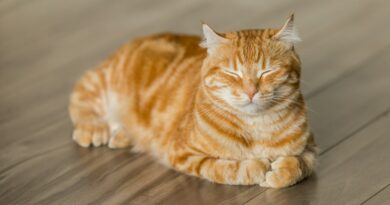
{"x":299,"y":104}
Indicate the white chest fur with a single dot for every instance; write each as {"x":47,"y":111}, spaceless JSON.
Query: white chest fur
{"x":264,"y":127}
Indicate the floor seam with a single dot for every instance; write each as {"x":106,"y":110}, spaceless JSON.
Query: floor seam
{"x":365,"y":125}
{"x":376,"y":193}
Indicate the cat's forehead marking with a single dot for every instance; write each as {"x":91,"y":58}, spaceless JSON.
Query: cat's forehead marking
{"x":263,"y":65}
{"x":236,"y":66}
{"x":262,"y":62}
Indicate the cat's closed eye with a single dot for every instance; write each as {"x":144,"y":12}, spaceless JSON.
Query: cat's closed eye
{"x":232,"y":73}
{"x":264,"y":73}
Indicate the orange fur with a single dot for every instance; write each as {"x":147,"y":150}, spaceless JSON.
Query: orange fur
{"x":231,"y":112}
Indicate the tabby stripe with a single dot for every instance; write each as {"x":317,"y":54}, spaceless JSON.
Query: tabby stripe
{"x":285,"y":103}
{"x":206,"y":142}
{"x":171,"y":87}
{"x":215,"y":108}
{"x":293,"y":120}
{"x":218,"y":102}
{"x":290,"y":138}
{"x":221,"y":132}
{"x":218,"y":116}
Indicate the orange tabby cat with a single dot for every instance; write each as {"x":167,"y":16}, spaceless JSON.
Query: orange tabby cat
{"x":229,"y":111}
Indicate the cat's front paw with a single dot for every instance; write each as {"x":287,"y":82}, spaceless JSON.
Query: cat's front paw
{"x":86,"y":135}
{"x":285,"y":172}
{"x":119,"y":139}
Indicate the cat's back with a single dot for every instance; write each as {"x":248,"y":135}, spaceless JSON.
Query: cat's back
{"x":168,"y":45}
{"x":163,"y":59}
{"x":159,"y":59}
{"x":155,"y":60}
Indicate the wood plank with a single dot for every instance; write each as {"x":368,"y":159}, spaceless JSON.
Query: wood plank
{"x":381,"y":197}
{"x":353,"y":101}
{"x":337,"y":50}
{"x":350,"y":174}
{"x":9,"y":5}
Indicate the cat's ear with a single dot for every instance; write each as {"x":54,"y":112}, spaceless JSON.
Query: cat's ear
{"x":288,"y":33}
{"x":211,"y":39}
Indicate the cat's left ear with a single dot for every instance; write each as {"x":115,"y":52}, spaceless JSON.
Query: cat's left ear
{"x":211,"y":39}
{"x":288,"y":33}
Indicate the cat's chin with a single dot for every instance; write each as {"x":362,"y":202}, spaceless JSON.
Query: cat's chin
{"x":252,"y":109}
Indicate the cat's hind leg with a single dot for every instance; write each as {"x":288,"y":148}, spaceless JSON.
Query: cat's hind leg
{"x":94,"y":112}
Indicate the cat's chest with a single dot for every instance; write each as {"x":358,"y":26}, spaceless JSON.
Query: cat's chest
{"x":262,"y":128}
{"x":265,"y":138}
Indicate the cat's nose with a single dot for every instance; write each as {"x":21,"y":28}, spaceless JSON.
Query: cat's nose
{"x":251,"y":92}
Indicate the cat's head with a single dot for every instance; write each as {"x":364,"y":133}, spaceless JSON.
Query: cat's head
{"x":251,"y":70}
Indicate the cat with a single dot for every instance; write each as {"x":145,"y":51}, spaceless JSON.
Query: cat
{"x":227,"y":109}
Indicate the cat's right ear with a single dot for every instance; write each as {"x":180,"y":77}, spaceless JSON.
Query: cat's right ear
{"x":288,"y":33}
{"x":211,"y":39}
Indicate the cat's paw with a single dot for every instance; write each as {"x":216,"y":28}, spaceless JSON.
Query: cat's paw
{"x":119,"y":139}
{"x":87,"y":135}
{"x":285,"y":172}
{"x":258,"y":166}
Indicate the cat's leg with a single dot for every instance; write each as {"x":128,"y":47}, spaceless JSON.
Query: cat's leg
{"x":246,"y":172}
{"x":288,"y":170}
{"x":87,"y":111}
{"x":93,"y":110}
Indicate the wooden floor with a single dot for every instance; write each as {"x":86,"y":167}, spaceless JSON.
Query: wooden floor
{"x":45,"y":45}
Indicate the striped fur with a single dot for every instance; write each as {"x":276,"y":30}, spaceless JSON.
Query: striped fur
{"x":232,"y":115}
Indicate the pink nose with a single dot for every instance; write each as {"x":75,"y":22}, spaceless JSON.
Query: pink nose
{"x":251,"y":93}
